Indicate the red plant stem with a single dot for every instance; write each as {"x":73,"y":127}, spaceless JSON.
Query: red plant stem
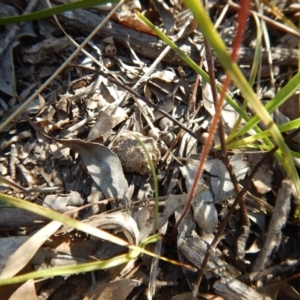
{"x":242,"y":19}
{"x":203,"y":156}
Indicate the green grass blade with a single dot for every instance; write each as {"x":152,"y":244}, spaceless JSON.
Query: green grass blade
{"x":195,"y":67}
{"x":245,"y":142}
{"x":67,"y":270}
{"x":283,"y":95}
{"x":132,"y":254}
{"x":253,"y":73}
{"x":63,"y":219}
{"x":53,"y":11}
{"x":295,"y":154}
{"x":206,"y":27}
{"x":283,"y":156}
{"x":257,"y":53}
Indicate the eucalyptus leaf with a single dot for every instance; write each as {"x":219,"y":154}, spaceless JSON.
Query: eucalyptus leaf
{"x":103,"y":165}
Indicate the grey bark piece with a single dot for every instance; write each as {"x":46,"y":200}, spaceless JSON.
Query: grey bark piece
{"x":120,"y":220}
{"x":234,"y":289}
{"x":194,"y":248}
{"x":278,"y":221}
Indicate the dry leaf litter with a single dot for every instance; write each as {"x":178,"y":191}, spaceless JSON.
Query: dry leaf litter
{"x":78,"y":154}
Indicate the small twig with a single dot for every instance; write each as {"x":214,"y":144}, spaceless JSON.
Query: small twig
{"x":242,"y":19}
{"x":210,"y":66}
{"x":222,"y":226}
{"x":269,"y":274}
{"x":278,"y":220}
{"x":224,"y":156}
{"x":276,"y":24}
{"x":192,"y":98}
{"x":15,"y":186}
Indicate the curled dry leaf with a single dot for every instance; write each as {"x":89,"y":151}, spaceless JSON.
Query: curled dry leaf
{"x":103,"y":165}
{"x":121,"y":220}
{"x":128,"y":17}
{"x":112,"y":116}
{"x":132,"y":154}
{"x":76,"y":250}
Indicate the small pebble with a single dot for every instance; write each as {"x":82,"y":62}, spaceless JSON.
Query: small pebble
{"x":165,"y":123}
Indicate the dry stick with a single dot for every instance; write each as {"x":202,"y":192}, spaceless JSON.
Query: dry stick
{"x":152,"y":46}
{"x":274,"y":235}
{"x":222,"y":227}
{"x":245,"y":229}
{"x":242,"y":19}
{"x":271,"y":22}
{"x":224,"y":157}
{"x":268,"y":275}
{"x":192,"y":98}
{"x":210,"y":66}
{"x":14,"y":185}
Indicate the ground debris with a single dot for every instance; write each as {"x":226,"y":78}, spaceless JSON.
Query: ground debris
{"x":74,"y":150}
